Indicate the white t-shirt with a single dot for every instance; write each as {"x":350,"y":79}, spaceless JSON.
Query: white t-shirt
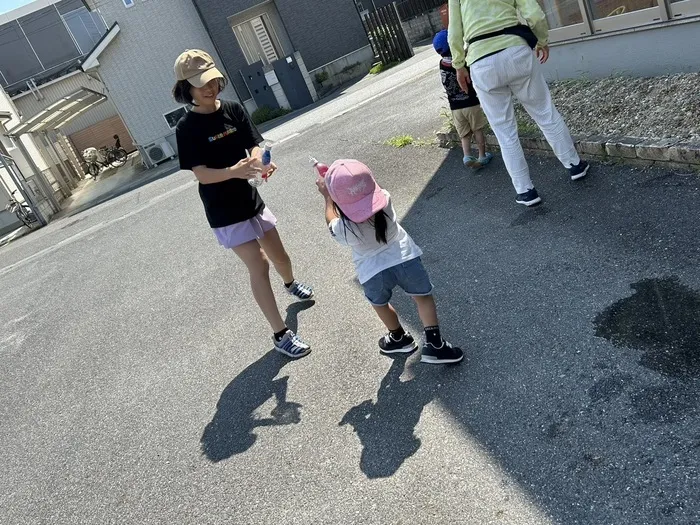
{"x":371,"y":257}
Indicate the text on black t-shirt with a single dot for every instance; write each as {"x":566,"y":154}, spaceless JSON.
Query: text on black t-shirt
{"x":218,"y":140}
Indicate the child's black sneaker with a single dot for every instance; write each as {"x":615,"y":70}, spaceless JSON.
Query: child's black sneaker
{"x":403,"y":345}
{"x":579,"y":171}
{"x":445,"y":354}
{"x":529,"y":198}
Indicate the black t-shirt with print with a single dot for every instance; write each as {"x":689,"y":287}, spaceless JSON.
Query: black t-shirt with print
{"x":457,"y":98}
{"x":219,"y":140}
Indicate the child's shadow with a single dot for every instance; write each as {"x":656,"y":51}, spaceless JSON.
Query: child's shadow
{"x":385,"y":427}
{"x":231,"y":431}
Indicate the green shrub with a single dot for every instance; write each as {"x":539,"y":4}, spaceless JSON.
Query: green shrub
{"x":265,"y":113}
{"x":380,"y":66}
{"x":321,"y":76}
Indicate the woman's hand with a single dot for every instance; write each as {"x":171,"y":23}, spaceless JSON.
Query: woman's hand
{"x":321,"y":185}
{"x":245,"y":169}
{"x":542,"y":53}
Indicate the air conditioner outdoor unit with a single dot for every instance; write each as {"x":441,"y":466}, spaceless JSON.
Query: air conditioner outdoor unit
{"x":159,"y":152}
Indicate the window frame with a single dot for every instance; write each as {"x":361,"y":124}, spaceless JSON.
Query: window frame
{"x":129,"y":3}
{"x":663,"y":11}
{"x":684,"y":9}
{"x":179,"y":108}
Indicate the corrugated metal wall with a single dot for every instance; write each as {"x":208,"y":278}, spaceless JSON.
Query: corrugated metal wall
{"x":28,"y":105}
{"x":102,"y":134}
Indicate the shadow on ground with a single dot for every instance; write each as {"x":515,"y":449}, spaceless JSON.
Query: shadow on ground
{"x":385,"y":427}
{"x":232,"y":430}
{"x":101,"y":190}
{"x":580,"y":322}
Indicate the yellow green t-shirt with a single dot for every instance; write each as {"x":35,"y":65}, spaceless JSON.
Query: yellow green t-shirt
{"x":472,"y":18}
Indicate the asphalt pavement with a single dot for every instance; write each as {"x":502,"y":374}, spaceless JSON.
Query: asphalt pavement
{"x":139,"y":383}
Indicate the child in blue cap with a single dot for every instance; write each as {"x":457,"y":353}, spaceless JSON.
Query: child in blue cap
{"x":468,"y":117}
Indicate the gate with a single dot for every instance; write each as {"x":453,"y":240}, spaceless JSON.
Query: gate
{"x":386,"y":35}
{"x":292,"y":81}
{"x":254,"y":78}
{"x":34,"y":190}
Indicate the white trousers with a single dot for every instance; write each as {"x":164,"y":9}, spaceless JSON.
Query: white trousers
{"x":516,"y":71}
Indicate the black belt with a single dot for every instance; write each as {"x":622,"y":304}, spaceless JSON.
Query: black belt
{"x":520,"y":30}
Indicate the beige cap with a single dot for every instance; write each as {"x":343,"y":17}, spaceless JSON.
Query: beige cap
{"x":197,"y":67}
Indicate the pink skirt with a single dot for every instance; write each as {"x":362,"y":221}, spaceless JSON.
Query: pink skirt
{"x":246,"y":231}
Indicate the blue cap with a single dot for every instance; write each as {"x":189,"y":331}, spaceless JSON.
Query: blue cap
{"x":440,"y":43}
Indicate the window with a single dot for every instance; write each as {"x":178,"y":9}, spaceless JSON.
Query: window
{"x":257,"y":40}
{"x":564,"y":18}
{"x":128,"y":3}
{"x":17,"y":58}
{"x":87,"y":28}
{"x":561,"y":13}
{"x":173,"y":117}
{"x":609,"y":15}
{"x":48,"y":37}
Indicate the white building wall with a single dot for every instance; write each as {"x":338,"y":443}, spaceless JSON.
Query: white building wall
{"x":137,"y":67}
{"x":28,"y":105}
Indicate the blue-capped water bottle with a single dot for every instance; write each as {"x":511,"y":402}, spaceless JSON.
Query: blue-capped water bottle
{"x":265,"y":160}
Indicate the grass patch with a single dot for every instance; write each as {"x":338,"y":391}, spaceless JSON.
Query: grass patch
{"x":448,"y":123}
{"x":265,"y":113}
{"x":380,"y":67}
{"x":400,"y":141}
{"x":322,"y":76}
{"x":528,"y":128}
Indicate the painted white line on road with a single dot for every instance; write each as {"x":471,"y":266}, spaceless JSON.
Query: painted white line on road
{"x":95,"y":228}
{"x":285,"y":139}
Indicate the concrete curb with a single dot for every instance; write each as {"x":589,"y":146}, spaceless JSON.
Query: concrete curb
{"x":631,"y":150}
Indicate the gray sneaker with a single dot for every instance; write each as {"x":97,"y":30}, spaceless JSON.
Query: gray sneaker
{"x":291,"y":346}
{"x":300,"y":291}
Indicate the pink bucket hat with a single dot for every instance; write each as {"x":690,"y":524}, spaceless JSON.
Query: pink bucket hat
{"x":352,"y":187}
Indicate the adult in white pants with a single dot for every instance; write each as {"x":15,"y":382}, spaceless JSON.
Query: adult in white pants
{"x":502,"y":64}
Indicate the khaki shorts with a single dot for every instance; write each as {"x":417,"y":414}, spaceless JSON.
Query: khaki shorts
{"x":469,"y":120}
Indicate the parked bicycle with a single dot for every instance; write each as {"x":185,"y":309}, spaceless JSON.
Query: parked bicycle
{"x":104,"y":157}
{"x":23,"y":212}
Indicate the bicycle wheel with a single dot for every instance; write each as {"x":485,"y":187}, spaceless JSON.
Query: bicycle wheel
{"x":118,"y":158}
{"x":93,"y":169}
{"x":22,"y":216}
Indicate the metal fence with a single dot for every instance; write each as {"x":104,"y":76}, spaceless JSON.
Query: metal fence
{"x":386,"y":35}
{"x":408,"y":9}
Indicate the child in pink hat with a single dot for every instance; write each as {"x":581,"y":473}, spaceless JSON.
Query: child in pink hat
{"x":359,"y":214}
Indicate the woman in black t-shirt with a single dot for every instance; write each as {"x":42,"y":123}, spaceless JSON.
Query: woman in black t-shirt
{"x":213,"y":140}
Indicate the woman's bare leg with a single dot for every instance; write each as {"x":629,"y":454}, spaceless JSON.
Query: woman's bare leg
{"x":259,"y":269}
{"x":274,"y":249}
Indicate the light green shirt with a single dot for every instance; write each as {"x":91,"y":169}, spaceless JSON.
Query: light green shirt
{"x":470,"y":18}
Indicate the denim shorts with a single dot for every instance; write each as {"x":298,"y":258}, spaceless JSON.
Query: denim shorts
{"x":410,"y":276}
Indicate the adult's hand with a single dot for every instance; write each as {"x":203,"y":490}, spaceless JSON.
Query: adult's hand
{"x":543,"y":54}
{"x":463,"y":79}
{"x":245,"y":169}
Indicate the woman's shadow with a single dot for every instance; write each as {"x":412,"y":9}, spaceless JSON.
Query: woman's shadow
{"x":386,"y":427}
{"x":231,"y":431}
